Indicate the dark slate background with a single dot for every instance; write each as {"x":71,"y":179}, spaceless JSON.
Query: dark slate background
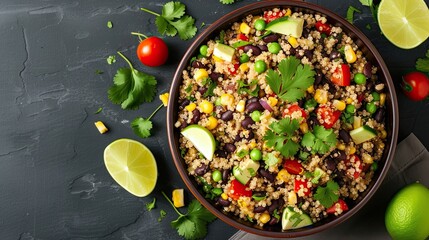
{"x":53,"y":182}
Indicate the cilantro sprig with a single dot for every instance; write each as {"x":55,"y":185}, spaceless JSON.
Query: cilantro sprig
{"x":327,"y":195}
{"x":151,"y":205}
{"x":131,"y":87}
{"x":173,"y":20}
{"x":193,"y":224}
{"x":281,"y":135}
{"x":292,"y":81}
{"x":320,"y":140}
{"x":422,"y":64}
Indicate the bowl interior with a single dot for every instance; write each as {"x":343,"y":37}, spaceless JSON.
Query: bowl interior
{"x":372,"y":56}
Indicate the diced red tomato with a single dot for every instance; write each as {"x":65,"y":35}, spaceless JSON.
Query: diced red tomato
{"x":323,"y":27}
{"x":293,"y":111}
{"x":293,"y":167}
{"x":360,"y":97}
{"x":237,"y":190}
{"x":340,"y":204}
{"x":271,"y":16}
{"x":328,"y":115}
{"x":354,"y":166}
{"x":301,"y":184}
{"x":242,"y":37}
{"x":341,"y":76}
{"x":235,"y":69}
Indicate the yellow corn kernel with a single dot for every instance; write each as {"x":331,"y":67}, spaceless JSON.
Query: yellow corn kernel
{"x":310,"y":89}
{"x":226,"y":99}
{"x":178,"y":198}
{"x":293,"y":42}
{"x":164,"y":98}
{"x":340,"y":105}
{"x":272,"y":101}
{"x":357,"y":122}
{"x":283,"y":175}
{"x":321,"y":96}
{"x":241,"y":106}
{"x":244,"y":28}
{"x":241,"y":203}
{"x":288,"y":12}
{"x":200,"y":74}
{"x":349,"y":100}
{"x":217,"y":59}
{"x":383,"y":134}
{"x":252,"y":144}
{"x":366,"y":158}
{"x":349,"y":54}
{"x":291,"y":198}
{"x":264,"y":218}
{"x":212,"y":123}
{"x":101,"y":127}
{"x":224,"y":196}
{"x":244,"y":67}
{"x":303,"y":127}
{"x":206,"y":107}
{"x":191,"y":107}
{"x":341,"y":146}
{"x":382,"y":99}
{"x":352,"y":150}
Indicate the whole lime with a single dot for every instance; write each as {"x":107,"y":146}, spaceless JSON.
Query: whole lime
{"x":407,"y":215}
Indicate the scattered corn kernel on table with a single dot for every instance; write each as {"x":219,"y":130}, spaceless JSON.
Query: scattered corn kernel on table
{"x":55,"y":77}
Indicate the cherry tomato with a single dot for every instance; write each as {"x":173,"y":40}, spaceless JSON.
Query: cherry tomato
{"x":293,"y":167}
{"x":242,"y":37}
{"x":339,"y":204}
{"x":415,"y":85}
{"x":271,"y":16}
{"x":237,"y":189}
{"x":295,"y":111}
{"x":234,"y":70}
{"x":301,"y":184}
{"x":323,"y":27}
{"x":328,"y":115}
{"x":152,"y":52}
{"x":354,"y":166}
{"x":341,"y":76}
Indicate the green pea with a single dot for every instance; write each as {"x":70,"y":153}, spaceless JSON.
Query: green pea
{"x":203,"y":50}
{"x":310,"y":103}
{"x":256,"y":116}
{"x":375,"y":96}
{"x":274,"y":47}
{"x":255,"y":154}
{"x":359,"y":78}
{"x":244,"y":58}
{"x":217,"y":191}
{"x":350,"y":108}
{"x":371,"y":107}
{"x":260,"y":24}
{"x":260,"y":66}
{"x":374,"y":166}
{"x":217,"y":175}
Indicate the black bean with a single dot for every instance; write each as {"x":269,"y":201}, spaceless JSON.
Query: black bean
{"x":367,"y":70}
{"x":221,"y":153}
{"x":229,"y":147}
{"x":273,"y":221}
{"x":254,"y":106}
{"x":309,"y":55}
{"x":330,"y":164}
{"x":266,"y":174}
{"x":339,"y":155}
{"x":237,"y":138}
{"x":215,"y":76}
{"x":345,"y":136}
{"x":274,"y":205}
{"x":253,"y":99}
{"x":196,"y":116}
{"x":292,"y":51}
{"x":227,"y":116}
{"x":202,"y":90}
{"x":281,"y":203}
{"x":255,"y":50}
{"x":271,"y":38}
{"x":312,"y":120}
{"x":305,"y":32}
{"x":197,"y":64}
{"x":334,"y":55}
{"x":219,"y":109}
{"x":225,"y":175}
{"x":301,"y":103}
{"x":184,"y":103}
{"x":369,"y":85}
{"x":183,"y":125}
{"x":201,"y":170}
{"x":247,"y":122}
{"x":250,"y":136}
{"x":379,"y":115}
{"x":259,"y":209}
{"x":223,"y":202}
{"x":319,"y":77}
{"x":263,"y":47}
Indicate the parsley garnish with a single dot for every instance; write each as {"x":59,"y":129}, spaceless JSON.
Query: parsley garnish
{"x":111,"y":59}
{"x":293,"y":80}
{"x":173,"y":20}
{"x":327,"y":195}
{"x":227,"y":1}
{"x":151,"y":205}
{"x":162,"y":215}
{"x":270,"y":160}
{"x":131,"y":87}
{"x":350,"y":12}
{"x":109,"y":24}
{"x":281,"y":134}
{"x":193,"y":224}
{"x":422,"y":64}
{"x":98,"y":110}
{"x":320,"y":140}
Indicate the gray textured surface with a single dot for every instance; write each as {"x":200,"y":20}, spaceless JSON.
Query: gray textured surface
{"x":53,"y":183}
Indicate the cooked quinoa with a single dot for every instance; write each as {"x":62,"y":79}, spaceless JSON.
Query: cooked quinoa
{"x":222,"y":96}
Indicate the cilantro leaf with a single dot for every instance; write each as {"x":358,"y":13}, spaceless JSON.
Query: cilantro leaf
{"x":252,"y":88}
{"x":111,"y":59}
{"x":151,"y":205}
{"x":185,"y":27}
{"x":422,"y":64}
{"x":227,"y":1}
{"x":327,"y":195}
{"x":98,"y":110}
{"x":270,"y":159}
{"x":366,"y":2}
{"x":164,"y":27}
{"x":141,"y":127}
{"x":320,"y":140}
{"x":162,"y":215}
{"x":292,"y":81}
{"x":281,"y":135}
{"x":350,"y":13}
{"x":172,"y":10}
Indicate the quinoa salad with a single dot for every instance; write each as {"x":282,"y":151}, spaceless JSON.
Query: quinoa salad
{"x":296,"y":114}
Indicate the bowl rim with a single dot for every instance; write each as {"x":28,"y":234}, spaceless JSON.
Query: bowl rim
{"x":241,"y":12}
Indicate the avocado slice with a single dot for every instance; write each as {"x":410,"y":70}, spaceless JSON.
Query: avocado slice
{"x":245,"y":171}
{"x":224,"y":52}
{"x":287,"y":26}
{"x":294,"y":220}
{"x":363,"y":134}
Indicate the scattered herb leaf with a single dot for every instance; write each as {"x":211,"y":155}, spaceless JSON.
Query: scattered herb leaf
{"x":242,"y":153}
{"x":251,"y":88}
{"x":276,"y":214}
{"x":211,"y":85}
{"x":320,"y":140}
{"x":142,"y":126}
{"x":202,"y":24}
{"x":151,"y":205}
{"x":98,"y":72}
{"x":280,"y":136}
{"x":162,"y":215}
{"x":221,"y":37}
{"x":227,"y":1}
{"x":109,"y":24}
{"x":350,"y":13}
{"x":111,"y":59}
{"x":327,"y":195}
{"x":98,"y":110}
{"x":368,"y":26}
{"x":258,"y":197}
{"x":422,"y":64}
{"x":270,"y":159}
{"x":240,"y":44}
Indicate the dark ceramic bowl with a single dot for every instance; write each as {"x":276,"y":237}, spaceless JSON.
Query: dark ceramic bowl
{"x":372,"y":56}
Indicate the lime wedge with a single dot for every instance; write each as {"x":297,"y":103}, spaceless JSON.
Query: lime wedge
{"x":405,"y":23}
{"x":201,"y":138}
{"x":132,"y":165}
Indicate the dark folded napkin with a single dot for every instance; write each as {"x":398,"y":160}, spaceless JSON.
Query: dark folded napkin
{"x":410,"y":164}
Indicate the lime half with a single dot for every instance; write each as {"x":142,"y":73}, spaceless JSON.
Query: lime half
{"x":132,"y":165}
{"x":201,"y":138}
{"x":405,"y":23}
